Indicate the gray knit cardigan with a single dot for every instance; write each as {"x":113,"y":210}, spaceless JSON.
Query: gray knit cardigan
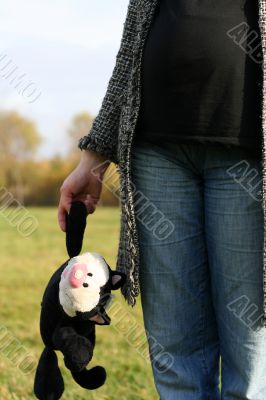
{"x":113,"y":129}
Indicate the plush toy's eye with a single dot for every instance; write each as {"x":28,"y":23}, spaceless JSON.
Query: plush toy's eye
{"x":89,"y":273}
{"x":85,"y":284}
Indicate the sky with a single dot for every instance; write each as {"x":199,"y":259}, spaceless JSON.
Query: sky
{"x":65,"y":52}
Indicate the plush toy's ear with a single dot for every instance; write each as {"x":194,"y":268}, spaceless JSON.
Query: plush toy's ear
{"x":75,"y":227}
{"x":101,"y":318}
{"x":117,"y":280}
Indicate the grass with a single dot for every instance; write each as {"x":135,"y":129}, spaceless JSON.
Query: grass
{"x":26,"y":265}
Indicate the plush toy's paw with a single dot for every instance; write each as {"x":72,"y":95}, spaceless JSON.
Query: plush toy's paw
{"x":90,"y":379}
{"x":77,"y":349}
{"x":78,"y":354}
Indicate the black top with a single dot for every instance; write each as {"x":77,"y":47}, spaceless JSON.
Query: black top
{"x":199,"y":83}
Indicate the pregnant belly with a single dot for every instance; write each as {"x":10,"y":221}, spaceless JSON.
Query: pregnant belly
{"x":191,"y":49}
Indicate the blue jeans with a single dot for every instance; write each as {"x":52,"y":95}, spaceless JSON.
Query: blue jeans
{"x":201,"y":282}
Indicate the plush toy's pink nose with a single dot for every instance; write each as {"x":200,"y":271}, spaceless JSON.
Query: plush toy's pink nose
{"x":77,"y":275}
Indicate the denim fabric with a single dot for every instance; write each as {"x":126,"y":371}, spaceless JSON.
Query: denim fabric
{"x":202,"y":285}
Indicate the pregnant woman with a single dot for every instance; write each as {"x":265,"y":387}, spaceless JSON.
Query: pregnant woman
{"x":183,"y":118}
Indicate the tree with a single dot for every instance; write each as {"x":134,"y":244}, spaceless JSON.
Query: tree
{"x":19,"y":140}
{"x":80,"y":126}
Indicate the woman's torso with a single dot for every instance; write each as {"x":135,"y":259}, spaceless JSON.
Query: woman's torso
{"x":200,"y":76}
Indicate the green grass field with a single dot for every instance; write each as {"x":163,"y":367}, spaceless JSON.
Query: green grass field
{"x":26,"y":265}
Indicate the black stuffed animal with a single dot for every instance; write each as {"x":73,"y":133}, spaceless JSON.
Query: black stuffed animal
{"x":73,"y":302}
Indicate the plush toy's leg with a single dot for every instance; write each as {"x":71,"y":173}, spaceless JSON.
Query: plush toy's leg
{"x":90,"y":379}
{"x":48,"y":382}
{"x":77,"y":349}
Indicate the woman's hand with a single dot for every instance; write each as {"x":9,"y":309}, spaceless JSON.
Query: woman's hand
{"x":84,"y":184}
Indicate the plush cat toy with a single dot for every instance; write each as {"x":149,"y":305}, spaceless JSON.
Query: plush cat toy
{"x":73,"y":302}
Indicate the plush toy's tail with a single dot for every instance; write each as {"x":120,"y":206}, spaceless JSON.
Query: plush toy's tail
{"x":48,"y":382}
{"x":90,"y":379}
{"x":75,"y":227}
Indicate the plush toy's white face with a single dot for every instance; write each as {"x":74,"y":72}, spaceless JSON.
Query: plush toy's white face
{"x":81,"y":281}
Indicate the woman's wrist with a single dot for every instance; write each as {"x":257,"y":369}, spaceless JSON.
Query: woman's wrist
{"x":93,"y":159}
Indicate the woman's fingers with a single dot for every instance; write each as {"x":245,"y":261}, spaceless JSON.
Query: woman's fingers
{"x":64,"y":206}
{"x":90,"y":203}
{"x":90,"y":198}
{"x":80,"y":185}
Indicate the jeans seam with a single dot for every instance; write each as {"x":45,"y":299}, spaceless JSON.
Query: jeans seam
{"x":202,"y":341}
